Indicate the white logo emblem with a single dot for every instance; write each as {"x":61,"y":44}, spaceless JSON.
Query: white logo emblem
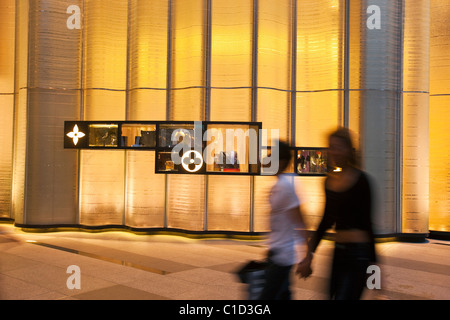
{"x":192,"y":161}
{"x":76,"y":135}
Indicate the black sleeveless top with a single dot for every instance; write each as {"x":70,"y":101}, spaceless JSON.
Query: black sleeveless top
{"x":349,"y":209}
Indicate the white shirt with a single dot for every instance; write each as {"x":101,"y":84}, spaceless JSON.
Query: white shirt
{"x":283,"y":236}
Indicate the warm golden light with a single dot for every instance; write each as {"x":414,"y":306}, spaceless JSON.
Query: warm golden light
{"x":320,"y":45}
{"x":274,"y":66}
{"x":147,"y":100}
{"x":148,"y":60}
{"x":280,"y":62}
{"x":102,"y":173}
{"x":7,"y":50}
{"x":186,"y":202}
{"x":229,"y":203}
{"x":439,"y":116}
{"x":188,"y":60}
{"x":415,"y":184}
{"x":145,"y":191}
{"x":75,"y":135}
{"x":231,"y":60}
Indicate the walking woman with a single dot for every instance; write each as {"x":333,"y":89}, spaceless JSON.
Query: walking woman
{"x":348,"y":206}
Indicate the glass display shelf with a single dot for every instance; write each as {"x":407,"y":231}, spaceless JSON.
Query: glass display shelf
{"x":193,"y":147}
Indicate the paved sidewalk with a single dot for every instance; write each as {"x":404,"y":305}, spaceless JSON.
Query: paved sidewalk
{"x":122,"y":265}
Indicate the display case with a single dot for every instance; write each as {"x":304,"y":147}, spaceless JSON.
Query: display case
{"x":109,"y":135}
{"x":138,"y":135}
{"x":232,"y":148}
{"x":180,"y":148}
{"x":311,"y":161}
{"x":193,"y":147}
{"x":103,"y":135}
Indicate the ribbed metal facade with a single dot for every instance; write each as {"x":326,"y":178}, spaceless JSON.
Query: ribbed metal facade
{"x":302,"y":67}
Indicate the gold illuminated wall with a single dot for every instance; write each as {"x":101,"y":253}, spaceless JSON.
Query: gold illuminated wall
{"x":47,"y":91}
{"x":319,"y":88}
{"x":102,"y":174}
{"x":439,"y":116}
{"x":146,"y":99}
{"x":294,"y":65}
{"x":416,"y":62}
{"x":7,"y":41}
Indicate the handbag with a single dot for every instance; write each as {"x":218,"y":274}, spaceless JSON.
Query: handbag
{"x":253,"y":274}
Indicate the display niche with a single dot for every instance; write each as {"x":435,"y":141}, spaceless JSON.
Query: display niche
{"x":201,"y":147}
{"x":220,"y":148}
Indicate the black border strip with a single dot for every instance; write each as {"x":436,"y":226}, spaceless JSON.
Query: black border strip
{"x":236,"y":235}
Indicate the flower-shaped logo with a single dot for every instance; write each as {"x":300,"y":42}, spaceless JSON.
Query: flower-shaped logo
{"x":192,"y":161}
{"x":76,"y":135}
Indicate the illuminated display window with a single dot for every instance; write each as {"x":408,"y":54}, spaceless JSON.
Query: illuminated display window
{"x":181,"y":147}
{"x":138,"y":135}
{"x":311,"y":162}
{"x":103,"y":135}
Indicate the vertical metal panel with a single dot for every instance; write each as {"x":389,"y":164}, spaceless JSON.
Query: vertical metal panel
{"x":439,"y":143}
{"x":347,"y":25}
{"x":7,"y":51}
{"x":188,"y":60}
{"x":168,"y":98}
{"x":231,"y":60}
{"x":320,"y":68}
{"x":186,"y":196}
{"x":169,"y":59}
{"x":293,"y":73}
{"x":354,"y":94}
{"x":208,"y":26}
{"x":147,"y":58}
{"x":228,"y":203}
{"x":274,"y":65}
{"x":102,"y":172}
{"x":414,"y":196}
{"x":255,"y":61}
{"x":381,"y":101}
{"x":207,"y":102}
{"x":20,"y":110}
{"x":53,"y":95}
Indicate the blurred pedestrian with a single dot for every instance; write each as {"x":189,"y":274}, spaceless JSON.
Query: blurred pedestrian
{"x":286,"y":224}
{"x":348,"y":206}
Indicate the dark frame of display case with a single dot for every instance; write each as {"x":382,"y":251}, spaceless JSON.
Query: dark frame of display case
{"x":84,"y":131}
{"x":84,"y":127}
{"x":297,"y":162}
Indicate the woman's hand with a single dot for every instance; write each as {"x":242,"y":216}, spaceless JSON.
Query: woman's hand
{"x":304,"y":267}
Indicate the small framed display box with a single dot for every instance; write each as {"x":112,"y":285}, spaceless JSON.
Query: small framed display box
{"x":109,"y":135}
{"x":208,"y":148}
{"x":200,"y":147}
{"x":311,"y":161}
